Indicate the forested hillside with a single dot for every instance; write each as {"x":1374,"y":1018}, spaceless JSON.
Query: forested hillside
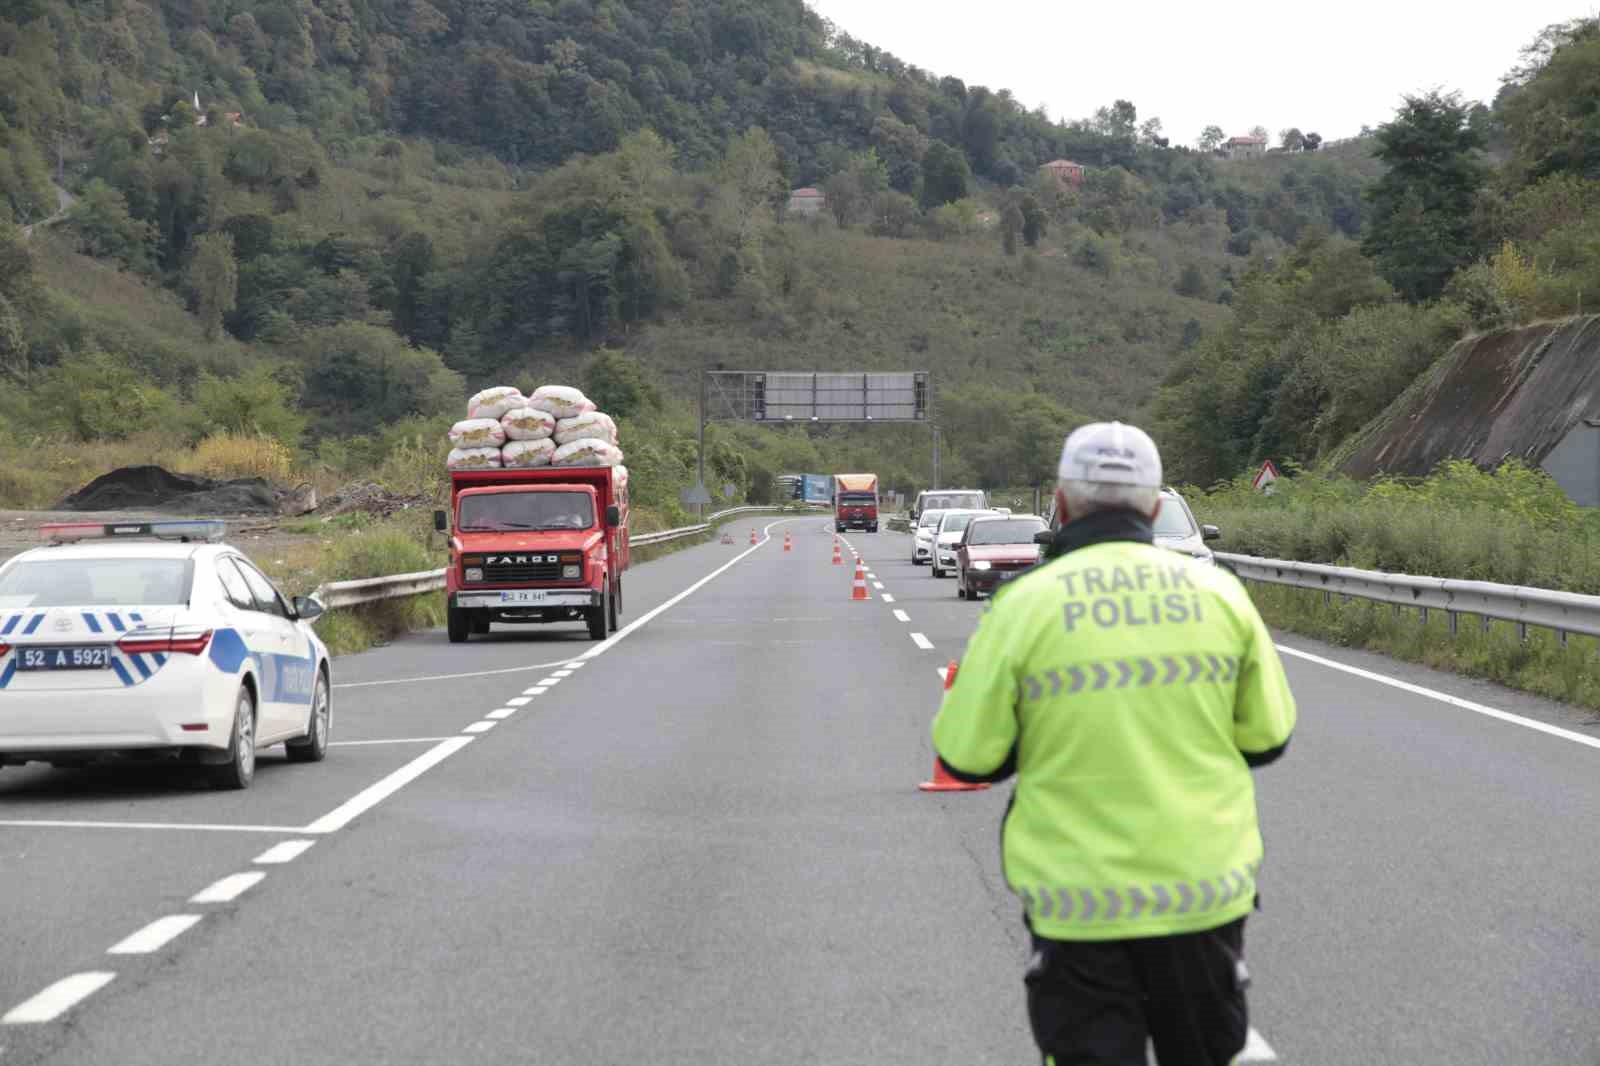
{"x":379,"y":205}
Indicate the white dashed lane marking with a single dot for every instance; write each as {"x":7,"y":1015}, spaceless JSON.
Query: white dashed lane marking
{"x":59,"y":998}
{"x":155,"y":936}
{"x":878,"y":585}
{"x":537,"y":690}
{"x":229,"y":888}
{"x":887,"y":598}
{"x":922,"y":642}
{"x":1256,"y":1049}
{"x":288,"y":851}
{"x":519,"y":701}
{"x":502,"y":713}
{"x":549,"y":682}
{"x":479,"y":727}
{"x":901,"y":615}
{"x":561,"y":673}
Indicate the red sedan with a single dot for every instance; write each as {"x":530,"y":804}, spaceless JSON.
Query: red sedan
{"x":992,"y":549}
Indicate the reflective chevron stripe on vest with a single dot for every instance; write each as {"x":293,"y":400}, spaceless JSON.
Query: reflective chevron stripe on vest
{"x":1089,"y":905}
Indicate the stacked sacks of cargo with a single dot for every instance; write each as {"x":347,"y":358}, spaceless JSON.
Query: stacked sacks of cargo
{"x":556,"y":426}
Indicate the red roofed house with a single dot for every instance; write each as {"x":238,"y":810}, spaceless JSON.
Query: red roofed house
{"x":1066,"y":170}
{"x":807,"y":201}
{"x":1245,"y":147}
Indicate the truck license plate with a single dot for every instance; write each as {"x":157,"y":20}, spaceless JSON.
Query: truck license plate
{"x":522,"y":596}
{"x":91,"y":657}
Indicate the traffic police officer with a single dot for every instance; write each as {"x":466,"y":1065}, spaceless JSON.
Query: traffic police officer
{"x":1130,"y":689}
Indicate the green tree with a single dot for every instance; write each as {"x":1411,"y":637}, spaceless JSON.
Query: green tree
{"x":24,"y":177}
{"x":946,"y":177}
{"x":1011,"y":223}
{"x":1421,"y":228}
{"x":893,"y":214}
{"x":213,"y":278}
{"x":258,"y":401}
{"x":1291,"y":139}
{"x":95,"y":396}
{"x":1551,"y":105}
{"x":1034,"y":222}
{"x":1211,"y":138}
{"x":105,"y":229}
{"x":359,"y":377}
{"x":619,"y":385}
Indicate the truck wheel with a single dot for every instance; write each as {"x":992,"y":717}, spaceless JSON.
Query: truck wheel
{"x":596,"y":617}
{"x":458,"y":624}
{"x":614,"y":606}
{"x":480,"y":623}
{"x":872,"y":529}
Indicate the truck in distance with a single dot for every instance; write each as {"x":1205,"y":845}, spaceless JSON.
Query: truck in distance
{"x":546,"y":544}
{"x":855,"y":502}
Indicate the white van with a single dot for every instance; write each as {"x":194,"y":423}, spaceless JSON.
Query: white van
{"x":949,"y":500}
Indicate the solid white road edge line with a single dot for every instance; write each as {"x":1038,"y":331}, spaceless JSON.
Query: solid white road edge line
{"x":502,"y":713}
{"x":23,"y":823}
{"x":59,"y":998}
{"x":620,"y":635}
{"x":479,"y":727}
{"x":922,"y":642}
{"x":1454,"y":701}
{"x":1256,"y":1049}
{"x":396,"y":740}
{"x":229,"y":888}
{"x":288,"y":851}
{"x":374,"y":794}
{"x":452,"y":677}
{"x":155,"y":936}
{"x":901,"y":615}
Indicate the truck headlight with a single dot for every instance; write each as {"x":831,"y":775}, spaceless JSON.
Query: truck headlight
{"x":473,"y":573}
{"x":982,"y":564}
{"x":573,"y":570}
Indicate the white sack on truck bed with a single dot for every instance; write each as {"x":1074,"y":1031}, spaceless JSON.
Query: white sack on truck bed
{"x":492,"y":403}
{"x":527,"y":423}
{"x":526,"y":453}
{"x":478,"y":433}
{"x":587,"y":452}
{"x":560,"y":400}
{"x":473,"y":459}
{"x":592,"y":424}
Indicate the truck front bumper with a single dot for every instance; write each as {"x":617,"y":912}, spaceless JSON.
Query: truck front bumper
{"x":511,"y":599}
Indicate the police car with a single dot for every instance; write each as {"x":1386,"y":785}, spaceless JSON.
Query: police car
{"x":154,"y":639}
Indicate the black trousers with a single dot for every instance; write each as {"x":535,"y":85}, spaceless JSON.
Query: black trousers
{"x":1095,"y":1003}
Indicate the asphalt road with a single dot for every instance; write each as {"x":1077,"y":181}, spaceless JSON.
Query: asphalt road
{"x":701,"y":842}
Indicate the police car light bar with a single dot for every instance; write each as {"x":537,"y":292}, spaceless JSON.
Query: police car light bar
{"x":208,"y":529}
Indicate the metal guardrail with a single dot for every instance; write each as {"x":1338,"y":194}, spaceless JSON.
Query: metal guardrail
{"x":335,"y":594}
{"x":1564,"y":612}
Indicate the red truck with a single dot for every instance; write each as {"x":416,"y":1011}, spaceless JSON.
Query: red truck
{"x":855,"y":502}
{"x":547,"y":544}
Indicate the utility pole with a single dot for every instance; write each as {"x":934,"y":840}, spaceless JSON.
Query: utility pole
{"x":700,"y":478}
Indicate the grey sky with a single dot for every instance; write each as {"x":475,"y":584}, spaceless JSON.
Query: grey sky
{"x":1328,"y":68}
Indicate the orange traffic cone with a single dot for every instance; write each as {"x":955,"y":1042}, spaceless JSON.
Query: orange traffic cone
{"x":838,"y":560}
{"x":859,"y":591}
{"x":787,"y":546}
{"x":942,"y":781}
{"x":752,"y":536}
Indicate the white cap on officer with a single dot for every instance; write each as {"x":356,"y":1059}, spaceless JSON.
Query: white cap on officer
{"x":1111,"y":453}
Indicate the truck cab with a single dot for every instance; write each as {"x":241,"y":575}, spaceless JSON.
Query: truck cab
{"x":855,"y":502}
{"x":535,"y":546}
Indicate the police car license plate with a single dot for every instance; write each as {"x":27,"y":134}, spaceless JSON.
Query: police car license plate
{"x":91,"y":657}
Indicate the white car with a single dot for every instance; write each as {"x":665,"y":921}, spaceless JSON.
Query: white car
{"x":947,"y":538}
{"x":152,"y":639}
{"x":922,"y":536}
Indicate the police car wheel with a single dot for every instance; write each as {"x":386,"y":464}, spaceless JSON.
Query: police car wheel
{"x":313,"y":747}
{"x":240,"y":769}
{"x":457,"y":624}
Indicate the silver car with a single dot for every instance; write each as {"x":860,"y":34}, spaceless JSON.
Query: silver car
{"x":1177,"y":530}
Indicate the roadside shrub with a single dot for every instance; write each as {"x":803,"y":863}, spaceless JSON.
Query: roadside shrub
{"x":234,"y":455}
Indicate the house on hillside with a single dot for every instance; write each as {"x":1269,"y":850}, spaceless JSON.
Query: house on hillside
{"x":807,"y":201}
{"x":1245,"y":147}
{"x":1066,"y":170}
{"x":1531,"y":394}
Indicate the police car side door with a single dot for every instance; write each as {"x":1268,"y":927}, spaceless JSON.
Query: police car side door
{"x":280,"y":650}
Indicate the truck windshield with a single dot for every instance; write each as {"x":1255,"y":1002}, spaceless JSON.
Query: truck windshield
{"x":857,"y":499}
{"x":526,"y":510}
{"x":949,"y":500}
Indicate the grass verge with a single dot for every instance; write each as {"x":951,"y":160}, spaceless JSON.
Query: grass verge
{"x":1542,"y":665}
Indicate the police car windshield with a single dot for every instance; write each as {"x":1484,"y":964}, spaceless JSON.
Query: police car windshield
{"x":95,"y":583}
{"x":526,"y":510}
{"x":1173,"y":520}
{"x":1009,"y":531}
